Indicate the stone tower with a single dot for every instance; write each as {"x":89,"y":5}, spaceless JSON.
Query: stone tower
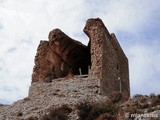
{"x":108,"y":61}
{"x":63,"y":56}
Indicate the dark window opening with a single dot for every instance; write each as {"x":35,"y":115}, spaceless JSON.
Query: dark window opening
{"x":117,"y":67}
{"x":79,"y":61}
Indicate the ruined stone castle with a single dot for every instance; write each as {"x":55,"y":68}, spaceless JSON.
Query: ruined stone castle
{"x":66,"y":72}
{"x":102,"y":58}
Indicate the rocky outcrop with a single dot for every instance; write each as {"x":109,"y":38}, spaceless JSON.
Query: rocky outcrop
{"x":44,"y":97}
{"x":59,"y":57}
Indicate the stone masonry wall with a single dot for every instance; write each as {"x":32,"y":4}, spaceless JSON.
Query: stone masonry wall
{"x":122,"y":67}
{"x":62,"y":56}
{"x":93,"y":30}
{"x":108,"y":61}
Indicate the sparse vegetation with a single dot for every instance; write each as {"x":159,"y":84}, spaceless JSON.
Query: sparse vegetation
{"x":112,"y":109}
{"x":1,"y":104}
{"x":84,"y":109}
{"x":152,"y":95}
{"x":155,"y":100}
{"x":107,"y":116}
{"x":32,"y":118}
{"x":60,"y":113}
{"x":19,"y":114}
{"x":115,"y":97}
{"x":98,"y":111}
{"x":150,"y":109}
{"x":137,"y":95}
{"x":109,"y":110}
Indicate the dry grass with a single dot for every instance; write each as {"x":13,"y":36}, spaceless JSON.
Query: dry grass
{"x":60,"y":113}
{"x":98,"y":111}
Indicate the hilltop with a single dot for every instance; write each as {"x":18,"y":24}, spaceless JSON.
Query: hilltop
{"x":72,"y":81}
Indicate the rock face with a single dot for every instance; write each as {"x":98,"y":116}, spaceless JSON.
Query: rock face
{"x":62,"y":56}
{"x":44,"y":97}
{"x":59,"y":57}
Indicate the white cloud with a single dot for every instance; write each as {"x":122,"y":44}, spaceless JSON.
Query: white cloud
{"x":144,"y":68}
{"x":25,"y":22}
{"x":130,"y":15}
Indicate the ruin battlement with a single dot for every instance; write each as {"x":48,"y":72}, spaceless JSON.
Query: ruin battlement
{"x":103,"y":58}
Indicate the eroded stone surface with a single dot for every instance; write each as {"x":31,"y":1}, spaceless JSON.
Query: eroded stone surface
{"x":62,"y":56}
{"x":45,"y":96}
{"x":59,"y":57}
{"x":108,"y":61}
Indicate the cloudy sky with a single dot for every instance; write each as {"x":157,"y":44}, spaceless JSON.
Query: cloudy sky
{"x":23,"y":23}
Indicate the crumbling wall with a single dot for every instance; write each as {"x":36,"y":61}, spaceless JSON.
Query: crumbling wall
{"x":108,"y":61}
{"x":62,"y":56}
{"x":43,"y":63}
{"x":59,"y":57}
{"x":96,"y":38}
{"x":122,"y":67}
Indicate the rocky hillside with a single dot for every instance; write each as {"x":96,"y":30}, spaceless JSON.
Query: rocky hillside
{"x":72,"y":81}
{"x":46,"y":96}
{"x":78,"y":98}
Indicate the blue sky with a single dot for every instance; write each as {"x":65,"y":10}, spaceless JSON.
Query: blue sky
{"x":23,"y":23}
